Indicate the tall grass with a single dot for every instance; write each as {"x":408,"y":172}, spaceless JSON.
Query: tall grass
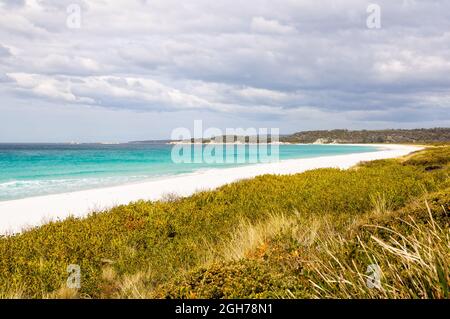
{"x":254,"y":238}
{"x":414,"y":265}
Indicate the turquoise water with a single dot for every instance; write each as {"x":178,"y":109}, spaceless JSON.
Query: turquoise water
{"x":38,"y":169}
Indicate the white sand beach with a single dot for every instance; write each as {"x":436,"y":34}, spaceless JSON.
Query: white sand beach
{"x":17,"y":215}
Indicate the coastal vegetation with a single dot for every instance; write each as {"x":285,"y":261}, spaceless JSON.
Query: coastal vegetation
{"x":318,"y":234}
{"x":433,"y":135}
{"x":396,"y":136}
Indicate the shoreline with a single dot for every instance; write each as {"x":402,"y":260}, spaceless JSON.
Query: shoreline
{"x":18,"y":215}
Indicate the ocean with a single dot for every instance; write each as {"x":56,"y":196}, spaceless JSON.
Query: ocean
{"x":28,"y":170}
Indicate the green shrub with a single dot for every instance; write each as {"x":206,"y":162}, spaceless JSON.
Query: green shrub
{"x":152,"y":244}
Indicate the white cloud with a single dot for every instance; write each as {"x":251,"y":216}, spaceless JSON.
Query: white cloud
{"x":409,"y":64}
{"x":42,"y":86}
{"x":256,"y":57}
{"x":262,"y":25}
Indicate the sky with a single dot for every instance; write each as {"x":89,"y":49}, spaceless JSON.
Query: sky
{"x":114,"y":71}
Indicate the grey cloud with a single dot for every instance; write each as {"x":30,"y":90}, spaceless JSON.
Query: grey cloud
{"x":4,"y":78}
{"x":12,"y":3}
{"x":4,"y":51}
{"x":228,"y":58}
{"x":402,"y":115}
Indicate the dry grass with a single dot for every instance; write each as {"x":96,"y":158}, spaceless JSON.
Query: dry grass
{"x":133,"y":286}
{"x":63,"y":293}
{"x":13,"y":293}
{"x":412,"y":266}
{"x":381,"y":204}
{"x":253,"y":238}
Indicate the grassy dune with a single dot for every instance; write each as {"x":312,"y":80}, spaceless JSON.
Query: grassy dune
{"x":307,"y":235}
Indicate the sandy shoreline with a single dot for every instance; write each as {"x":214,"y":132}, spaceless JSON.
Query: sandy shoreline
{"x":15,"y":215}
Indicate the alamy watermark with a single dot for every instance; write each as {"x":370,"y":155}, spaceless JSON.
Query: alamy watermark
{"x":74,"y":276}
{"x":73,"y":20}
{"x":373,"y":20}
{"x":373,"y":273}
{"x":235,"y":145}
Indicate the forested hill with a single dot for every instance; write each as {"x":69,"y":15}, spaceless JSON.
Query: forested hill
{"x":364,"y":136}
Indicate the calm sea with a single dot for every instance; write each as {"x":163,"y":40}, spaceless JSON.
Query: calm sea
{"x":37,"y":169}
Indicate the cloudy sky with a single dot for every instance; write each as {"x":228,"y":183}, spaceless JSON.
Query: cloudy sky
{"x":136,"y":69}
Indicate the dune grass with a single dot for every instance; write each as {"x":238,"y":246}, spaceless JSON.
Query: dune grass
{"x":307,"y":235}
